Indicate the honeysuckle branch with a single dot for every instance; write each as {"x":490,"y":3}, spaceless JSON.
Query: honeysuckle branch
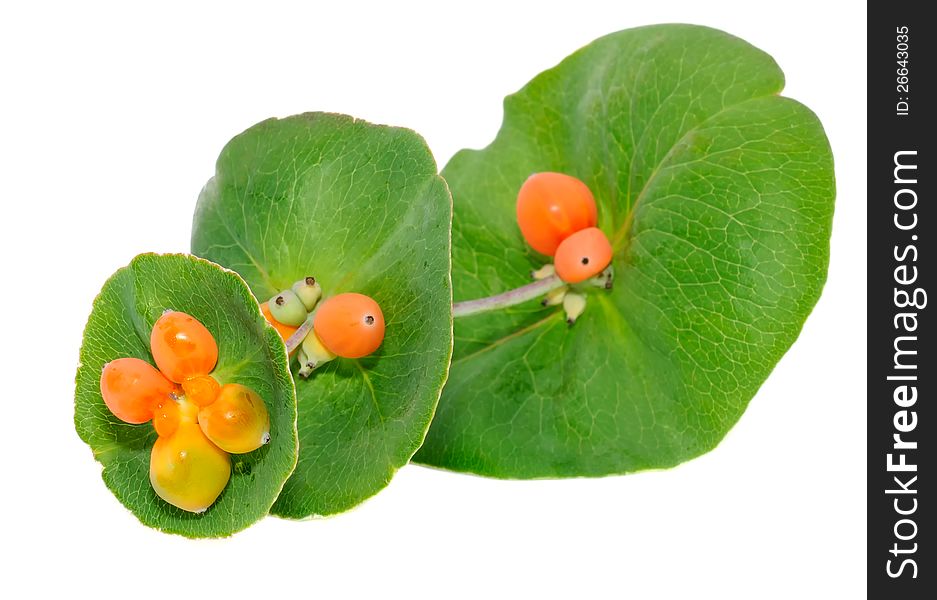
{"x":524,"y":293}
{"x":530,"y":291}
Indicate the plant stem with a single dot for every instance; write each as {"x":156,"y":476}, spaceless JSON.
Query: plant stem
{"x":534,"y":289}
{"x":510,"y":298}
{"x":293,"y":342}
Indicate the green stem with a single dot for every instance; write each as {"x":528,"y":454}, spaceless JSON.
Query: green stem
{"x":522,"y":294}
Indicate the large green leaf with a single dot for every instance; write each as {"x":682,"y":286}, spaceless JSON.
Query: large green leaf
{"x":718,"y":196}
{"x":249,"y":352}
{"x":362,"y":208}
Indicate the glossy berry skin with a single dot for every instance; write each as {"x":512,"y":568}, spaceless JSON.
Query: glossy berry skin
{"x":132,"y":388}
{"x":350,"y":325}
{"x":237,"y":421}
{"x":166,"y":417}
{"x":201,"y":390}
{"x":171,"y":413}
{"x":582,"y":255}
{"x":182,"y":347}
{"x":187,"y":470}
{"x":551,"y":207}
{"x":285,"y":331}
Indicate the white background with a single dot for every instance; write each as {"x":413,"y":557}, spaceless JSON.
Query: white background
{"x":111,"y":118}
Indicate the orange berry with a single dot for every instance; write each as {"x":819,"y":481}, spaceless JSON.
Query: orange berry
{"x":169,"y":414}
{"x":201,"y":390}
{"x":132,"y":388}
{"x":350,"y":325}
{"x":166,"y":417}
{"x":237,"y":421}
{"x":551,"y":207}
{"x":182,"y":347}
{"x":583,"y":255}
{"x":285,"y":331}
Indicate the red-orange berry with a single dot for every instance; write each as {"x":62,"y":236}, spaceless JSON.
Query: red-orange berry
{"x":551,"y":207}
{"x":182,"y":347}
{"x":132,"y":388}
{"x":350,"y":325}
{"x":582,"y":255}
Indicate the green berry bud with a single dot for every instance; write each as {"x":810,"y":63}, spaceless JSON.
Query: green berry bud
{"x":287,"y":308}
{"x":309,"y":292}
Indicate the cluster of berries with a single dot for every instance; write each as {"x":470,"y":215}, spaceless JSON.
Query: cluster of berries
{"x":348,"y":325}
{"x":558,"y":217}
{"x":198,"y":421}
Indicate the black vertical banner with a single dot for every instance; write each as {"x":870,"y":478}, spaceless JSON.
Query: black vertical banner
{"x":902,"y":370}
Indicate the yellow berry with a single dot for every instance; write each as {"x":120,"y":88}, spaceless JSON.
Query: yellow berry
{"x":187,"y":470}
{"x":237,"y":421}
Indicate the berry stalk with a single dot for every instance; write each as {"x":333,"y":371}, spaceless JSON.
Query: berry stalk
{"x":294,"y":341}
{"x":519,"y":295}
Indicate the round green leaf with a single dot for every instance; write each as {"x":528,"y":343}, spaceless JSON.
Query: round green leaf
{"x":718,"y":196}
{"x":362,"y":209}
{"x":250,"y":352}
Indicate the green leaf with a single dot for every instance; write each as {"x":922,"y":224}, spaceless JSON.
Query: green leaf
{"x":718,"y":196}
{"x":250,"y":352}
{"x":361,"y":208}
